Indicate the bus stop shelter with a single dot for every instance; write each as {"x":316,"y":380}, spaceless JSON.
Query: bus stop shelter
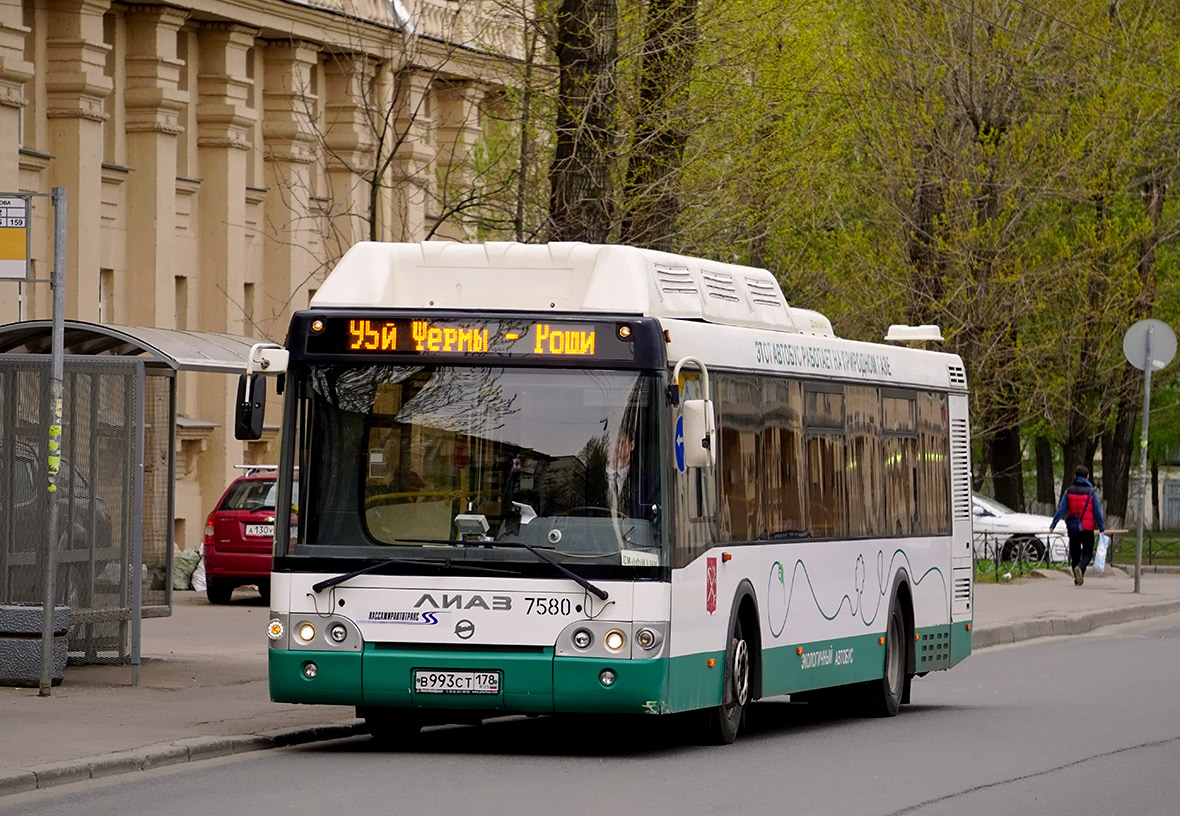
{"x":116,"y":486}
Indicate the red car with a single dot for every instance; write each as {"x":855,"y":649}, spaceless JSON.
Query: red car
{"x":239,"y":537}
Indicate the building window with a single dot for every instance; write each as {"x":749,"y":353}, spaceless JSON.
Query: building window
{"x":181,"y":316}
{"x":248,"y":309}
{"x":106,"y":296}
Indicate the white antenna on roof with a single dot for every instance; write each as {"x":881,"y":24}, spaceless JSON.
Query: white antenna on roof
{"x":899,"y":333}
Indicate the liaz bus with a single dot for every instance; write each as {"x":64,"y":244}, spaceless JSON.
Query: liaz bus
{"x":580,"y":478}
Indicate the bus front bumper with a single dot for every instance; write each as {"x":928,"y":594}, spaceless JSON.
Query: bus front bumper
{"x":533,"y":682}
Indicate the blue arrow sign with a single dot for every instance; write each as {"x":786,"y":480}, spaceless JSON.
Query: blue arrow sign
{"x":679,"y":443}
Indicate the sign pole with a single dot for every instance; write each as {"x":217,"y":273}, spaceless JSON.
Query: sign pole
{"x":1147,"y":345}
{"x":53,"y":452}
{"x":1148,"y":365}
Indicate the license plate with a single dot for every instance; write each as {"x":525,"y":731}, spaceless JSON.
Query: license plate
{"x":457,"y":682}
{"x":261,"y":530}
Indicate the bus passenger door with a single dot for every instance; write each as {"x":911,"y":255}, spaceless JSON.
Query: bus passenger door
{"x":698,"y":606}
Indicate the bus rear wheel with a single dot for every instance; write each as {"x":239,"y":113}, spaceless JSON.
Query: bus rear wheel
{"x":726,"y":719}
{"x":885,"y":695}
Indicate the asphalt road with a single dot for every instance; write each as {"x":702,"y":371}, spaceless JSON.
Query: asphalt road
{"x":1076,"y":725}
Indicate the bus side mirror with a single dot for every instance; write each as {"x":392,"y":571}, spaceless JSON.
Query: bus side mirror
{"x":251,"y":406}
{"x":700,"y":432}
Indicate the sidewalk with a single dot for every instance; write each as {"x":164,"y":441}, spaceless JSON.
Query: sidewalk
{"x":203,"y":687}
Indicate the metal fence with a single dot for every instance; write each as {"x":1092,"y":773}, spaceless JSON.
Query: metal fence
{"x":1159,"y":549}
{"x":116,"y":441}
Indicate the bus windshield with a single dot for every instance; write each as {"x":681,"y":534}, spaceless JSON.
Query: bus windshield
{"x":475,"y":463}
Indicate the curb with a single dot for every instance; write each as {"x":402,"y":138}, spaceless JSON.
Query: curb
{"x":163,"y":754}
{"x":1071,"y":625}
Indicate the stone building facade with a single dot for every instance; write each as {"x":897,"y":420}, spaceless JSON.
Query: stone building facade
{"x":218,"y":155}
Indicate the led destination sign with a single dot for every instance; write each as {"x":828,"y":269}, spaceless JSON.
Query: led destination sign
{"x":471,"y":337}
{"x":382,"y":335}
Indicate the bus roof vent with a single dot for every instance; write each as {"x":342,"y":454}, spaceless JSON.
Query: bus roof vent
{"x":675,"y":280}
{"x":764,"y":293}
{"x":560,"y":277}
{"x":720,"y":285}
{"x":958,"y":375}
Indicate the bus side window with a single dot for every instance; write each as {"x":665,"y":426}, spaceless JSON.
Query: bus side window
{"x":741,"y":420}
{"x":827,"y":492}
{"x":782,"y":484}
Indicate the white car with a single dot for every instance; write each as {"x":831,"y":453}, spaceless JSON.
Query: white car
{"x":1015,"y":535}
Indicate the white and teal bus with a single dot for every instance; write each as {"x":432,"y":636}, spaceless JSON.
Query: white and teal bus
{"x":577,"y":478}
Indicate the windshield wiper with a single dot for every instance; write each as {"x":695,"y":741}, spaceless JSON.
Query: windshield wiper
{"x":598,"y":592}
{"x":320,"y":586}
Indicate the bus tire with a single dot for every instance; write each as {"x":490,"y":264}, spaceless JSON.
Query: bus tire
{"x":391,"y":727}
{"x":885,"y":695}
{"x":726,"y":719}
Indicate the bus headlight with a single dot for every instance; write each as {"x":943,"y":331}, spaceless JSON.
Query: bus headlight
{"x":582,"y":638}
{"x":614,"y":640}
{"x":305,"y":631}
{"x":337,"y":632}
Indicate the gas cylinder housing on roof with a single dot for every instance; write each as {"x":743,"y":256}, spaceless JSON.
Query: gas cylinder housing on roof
{"x":559,"y":277}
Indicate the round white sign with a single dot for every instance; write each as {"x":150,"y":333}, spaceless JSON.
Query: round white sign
{"x":1163,"y":344}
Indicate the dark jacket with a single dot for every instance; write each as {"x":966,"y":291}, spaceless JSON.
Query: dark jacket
{"x":1081,"y":499}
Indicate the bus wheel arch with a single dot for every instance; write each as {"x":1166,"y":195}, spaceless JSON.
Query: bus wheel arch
{"x":745,"y":610}
{"x":742,"y":669}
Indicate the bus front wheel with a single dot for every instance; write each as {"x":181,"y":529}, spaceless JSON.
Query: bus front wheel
{"x":391,"y":727}
{"x":726,"y":719}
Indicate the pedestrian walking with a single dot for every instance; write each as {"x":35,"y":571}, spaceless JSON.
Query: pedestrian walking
{"x":1082,"y":512}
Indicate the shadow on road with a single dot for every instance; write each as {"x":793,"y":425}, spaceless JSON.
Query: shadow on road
{"x":598,"y":736}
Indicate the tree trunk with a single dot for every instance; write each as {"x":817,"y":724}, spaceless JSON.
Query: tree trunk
{"x":1116,"y":463}
{"x":525,"y":158}
{"x":1046,"y":487}
{"x":927,"y":287}
{"x":1118,"y":445}
{"x":1007,"y":470}
{"x":1081,"y":410}
{"x":657,"y":151}
{"x":580,"y":176}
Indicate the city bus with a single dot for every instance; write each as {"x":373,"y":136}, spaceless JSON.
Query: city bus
{"x":539,"y":479}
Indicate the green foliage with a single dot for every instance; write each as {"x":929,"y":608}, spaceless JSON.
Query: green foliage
{"x":987,"y":167}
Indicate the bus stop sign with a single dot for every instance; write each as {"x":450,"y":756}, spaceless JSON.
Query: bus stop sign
{"x":14,"y":236}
